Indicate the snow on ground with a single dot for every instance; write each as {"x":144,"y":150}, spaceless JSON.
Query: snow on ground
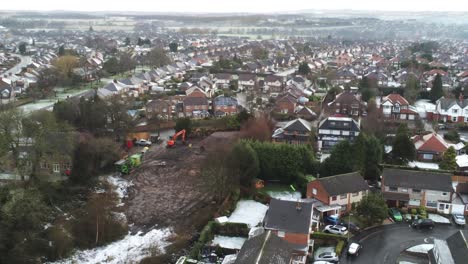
{"x":424,"y":165}
{"x":424,"y":106}
{"x":120,"y":184}
{"x":249,"y":212}
{"x":285,"y":195}
{"x":423,"y":248}
{"x":229,"y":242}
{"x":438,"y":218}
{"x":131,"y":249}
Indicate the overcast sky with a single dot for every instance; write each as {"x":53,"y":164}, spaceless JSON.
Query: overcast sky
{"x":256,"y":6}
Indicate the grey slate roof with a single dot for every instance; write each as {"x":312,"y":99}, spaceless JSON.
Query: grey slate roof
{"x":195,"y":101}
{"x":285,"y":216}
{"x":458,"y":244}
{"x":418,"y":179}
{"x":344,"y":183}
{"x":446,"y":103}
{"x":266,"y":248}
{"x":298,"y":125}
{"x":225,"y":100}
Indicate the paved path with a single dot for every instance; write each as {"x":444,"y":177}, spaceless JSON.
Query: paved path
{"x":24,"y":61}
{"x":384,"y":244}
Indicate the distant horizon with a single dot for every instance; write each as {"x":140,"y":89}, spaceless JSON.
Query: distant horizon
{"x":235,"y":7}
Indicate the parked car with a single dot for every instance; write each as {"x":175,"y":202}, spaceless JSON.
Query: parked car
{"x":423,"y":223}
{"x":143,"y":142}
{"x":395,"y":214}
{"x":327,"y":256}
{"x":336,"y":229}
{"x":322,"y":262}
{"x":353,"y":249}
{"x":353,"y":228}
{"x":332,"y":219}
{"x":459,"y":219}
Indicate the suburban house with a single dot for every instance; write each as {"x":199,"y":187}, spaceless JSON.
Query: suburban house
{"x":453,"y":250}
{"x":225,"y":105}
{"x":451,"y":110}
{"x":196,"y":107}
{"x":460,"y":199}
{"x":274,"y":83}
{"x":286,"y":104}
{"x":429,"y":147}
{"x":342,"y":190}
{"x":222,"y":80}
{"x":332,"y":130}
{"x":291,"y":221}
{"x":347,"y":104}
{"x":247,"y":81}
{"x":395,"y":106}
{"x":159,"y":108}
{"x":306,"y":113}
{"x":6,"y":89}
{"x":268,"y":248}
{"x":412,"y":188}
{"x":196,"y":91}
{"x":297,"y":131}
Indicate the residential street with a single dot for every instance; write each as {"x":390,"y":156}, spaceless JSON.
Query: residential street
{"x":384,"y":244}
{"x":25,"y":60}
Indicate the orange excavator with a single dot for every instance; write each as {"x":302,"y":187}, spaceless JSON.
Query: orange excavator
{"x":171,"y":142}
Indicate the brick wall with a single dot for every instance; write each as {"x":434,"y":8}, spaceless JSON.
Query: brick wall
{"x":321,"y":195}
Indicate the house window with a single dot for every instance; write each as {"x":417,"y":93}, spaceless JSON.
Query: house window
{"x":334,"y":198}
{"x":355,"y":194}
{"x":454,"y":119}
{"x":393,"y":189}
{"x":428,"y":156}
{"x":404,"y":190}
{"x":56,"y":167}
{"x":432,"y":204}
{"x":281,"y":234}
{"x":314,"y":191}
{"x":444,"y":194}
{"x":455,"y":111}
{"x":416,"y":190}
{"x":343,"y":196}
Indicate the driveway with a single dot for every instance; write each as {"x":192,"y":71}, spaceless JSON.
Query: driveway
{"x":384,"y":244}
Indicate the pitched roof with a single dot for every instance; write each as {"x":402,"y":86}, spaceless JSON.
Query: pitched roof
{"x":225,"y":100}
{"x":395,"y":98}
{"x":431,"y":142}
{"x":426,"y":180}
{"x":195,"y":101}
{"x":288,"y":216}
{"x":343,"y":183}
{"x":341,"y":123}
{"x":458,"y":245}
{"x":299,"y":125}
{"x":266,"y":248}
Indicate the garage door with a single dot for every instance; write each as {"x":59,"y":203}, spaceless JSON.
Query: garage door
{"x":458,"y":208}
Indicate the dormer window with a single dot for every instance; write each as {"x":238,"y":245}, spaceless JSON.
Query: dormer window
{"x":455,"y":111}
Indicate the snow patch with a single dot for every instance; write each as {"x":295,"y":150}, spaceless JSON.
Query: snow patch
{"x":288,"y":196}
{"x":131,"y":249}
{"x":121,"y":185}
{"x":229,"y":242}
{"x":424,"y":165}
{"x":438,"y":218}
{"x":423,"y":248}
{"x":248,"y":212}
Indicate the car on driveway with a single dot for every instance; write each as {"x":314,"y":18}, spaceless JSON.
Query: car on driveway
{"x":352,"y":227}
{"x":395,"y":214}
{"x":423,"y":223}
{"x":332,"y":219}
{"x":353,"y":249}
{"x":336,"y":229}
{"x":322,"y":262}
{"x":459,"y":219}
{"x":143,"y":142}
{"x":327,"y":256}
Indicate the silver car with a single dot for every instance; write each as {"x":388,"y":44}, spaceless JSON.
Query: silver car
{"x":327,"y":256}
{"x":459,"y":219}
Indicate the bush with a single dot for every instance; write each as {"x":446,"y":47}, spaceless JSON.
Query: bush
{"x":404,"y":210}
{"x":231,"y":229}
{"x":339,"y":247}
{"x":327,"y":236}
{"x":422,"y":210}
{"x":414,"y":211}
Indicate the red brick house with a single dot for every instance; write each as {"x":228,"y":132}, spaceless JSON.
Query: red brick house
{"x":429,"y":147}
{"x":291,"y":221}
{"x":159,"y":108}
{"x":342,"y":190}
{"x":196,"y":107}
{"x":286,"y":104}
{"x":347,"y":104}
{"x":395,"y":106}
{"x":225,"y":105}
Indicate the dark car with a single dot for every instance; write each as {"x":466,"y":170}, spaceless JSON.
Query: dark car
{"x":332,"y":219}
{"x":423,"y":223}
{"x":352,"y":226}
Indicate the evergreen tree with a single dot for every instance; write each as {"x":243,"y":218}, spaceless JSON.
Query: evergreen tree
{"x":304,"y":69}
{"x":127,"y":41}
{"x":448,"y":161}
{"x":403,"y":148}
{"x":373,"y":208}
{"x":436,"y":91}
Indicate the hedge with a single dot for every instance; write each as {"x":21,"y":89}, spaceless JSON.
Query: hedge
{"x":323,"y":235}
{"x":339,"y":247}
{"x":231,"y":229}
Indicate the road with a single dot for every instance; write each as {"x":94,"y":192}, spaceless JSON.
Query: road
{"x":25,"y":60}
{"x":384,"y":244}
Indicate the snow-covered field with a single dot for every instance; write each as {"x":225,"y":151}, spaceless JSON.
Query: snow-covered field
{"x":438,"y":218}
{"x":288,"y":196}
{"x":424,"y":165}
{"x":229,"y":242}
{"x":120,"y":184}
{"x":131,"y":249}
{"x":249,"y":212}
{"x":423,"y":248}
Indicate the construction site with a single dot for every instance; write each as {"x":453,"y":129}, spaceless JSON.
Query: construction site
{"x":167,"y":188}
